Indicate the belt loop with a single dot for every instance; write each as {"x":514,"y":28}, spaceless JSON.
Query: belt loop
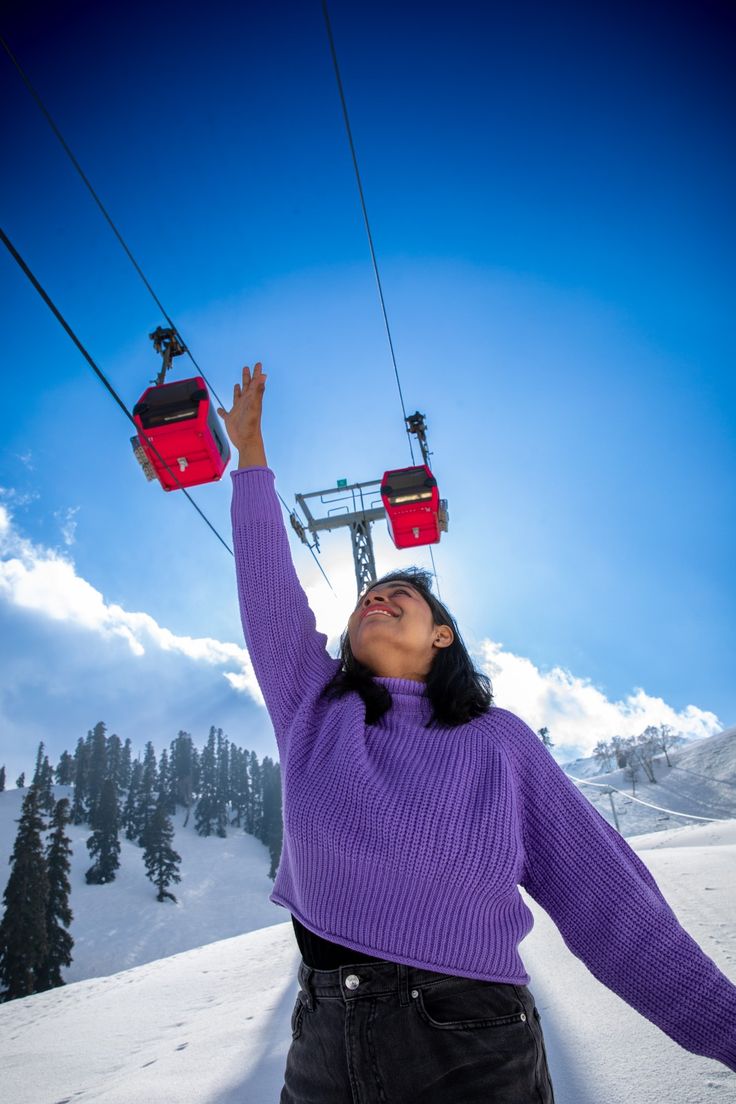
{"x":305,"y":984}
{"x":403,"y":983}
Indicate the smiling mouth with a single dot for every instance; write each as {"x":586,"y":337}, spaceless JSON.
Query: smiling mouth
{"x":382,"y":613}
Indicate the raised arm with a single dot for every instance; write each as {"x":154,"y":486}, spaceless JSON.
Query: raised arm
{"x":289,"y":655}
{"x":609,"y":909}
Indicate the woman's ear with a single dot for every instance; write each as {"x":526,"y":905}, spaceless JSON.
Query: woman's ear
{"x":443,"y":636}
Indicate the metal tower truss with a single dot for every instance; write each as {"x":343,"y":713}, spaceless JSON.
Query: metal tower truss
{"x":355,"y":506}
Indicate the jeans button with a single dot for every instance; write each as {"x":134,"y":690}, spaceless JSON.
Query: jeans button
{"x":352,"y":981}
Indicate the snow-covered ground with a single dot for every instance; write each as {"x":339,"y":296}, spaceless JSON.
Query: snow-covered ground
{"x":211,"y":1025}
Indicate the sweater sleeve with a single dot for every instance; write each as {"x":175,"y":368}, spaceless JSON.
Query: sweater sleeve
{"x":609,"y":909}
{"x":289,"y":656}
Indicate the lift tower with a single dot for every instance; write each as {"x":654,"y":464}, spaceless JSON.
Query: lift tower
{"x":356,"y":506}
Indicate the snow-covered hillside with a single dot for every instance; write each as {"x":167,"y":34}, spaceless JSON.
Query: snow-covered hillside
{"x":225,"y":885}
{"x":223,"y":891}
{"x":212,"y":1025}
{"x":701,"y":782}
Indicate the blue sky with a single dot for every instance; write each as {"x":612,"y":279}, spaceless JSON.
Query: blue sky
{"x":550,"y":193}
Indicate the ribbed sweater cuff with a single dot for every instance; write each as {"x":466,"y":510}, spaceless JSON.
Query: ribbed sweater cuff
{"x":254,"y":493}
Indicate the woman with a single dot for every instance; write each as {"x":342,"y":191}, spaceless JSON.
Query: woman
{"x":413,"y":810}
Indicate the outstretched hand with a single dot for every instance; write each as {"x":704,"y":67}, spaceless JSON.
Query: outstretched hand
{"x":243,"y":421}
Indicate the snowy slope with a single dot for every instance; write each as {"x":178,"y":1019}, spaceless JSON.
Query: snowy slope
{"x":701,"y":782}
{"x":225,"y":885}
{"x":211,"y":1025}
{"x":223,"y":891}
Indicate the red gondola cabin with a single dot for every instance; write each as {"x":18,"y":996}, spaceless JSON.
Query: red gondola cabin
{"x":412,"y":503}
{"x":180,"y":420}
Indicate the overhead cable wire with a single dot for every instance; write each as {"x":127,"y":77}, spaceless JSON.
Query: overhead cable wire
{"x":103,"y":209}
{"x":60,"y":318}
{"x":319,"y":565}
{"x":348,"y":128}
{"x":365,"y":213}
{"x":136,"y":266}
{"x":609,"y":788}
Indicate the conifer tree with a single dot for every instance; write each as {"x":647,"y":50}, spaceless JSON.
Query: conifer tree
{"x":148,"y":793}
{"x":45,"y":787}
{"x":23,"y":937}
{"x":131,"y":820}
{"x":81,"y":770}
{"x":114,"y":761}
{"x":64,"y":772}
{"x":182,"y":770}
{"x":222,"y":784}
{"x":2,"y":778}
{"x":58,"y":912}
{"x":272,"y":816}
{"x":164,"y":782}
{"x":161,"y":860}
{"x":36,"y":780}
{"x":205,"y":818}
{"x":196,"y":771}
{"x":104,"y":845}
{"x":98,"y":768}
{"x":126,"y":765}
{"x":256,"y":796}
{"x":238,"y":785}
{"x":21,"y":780}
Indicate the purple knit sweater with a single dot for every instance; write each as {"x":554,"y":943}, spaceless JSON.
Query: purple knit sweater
{"x":410,"y":843}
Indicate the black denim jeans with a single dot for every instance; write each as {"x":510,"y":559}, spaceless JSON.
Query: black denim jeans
{"x":385,"y":1033}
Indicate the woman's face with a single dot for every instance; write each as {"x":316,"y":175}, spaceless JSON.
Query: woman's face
{"x":392,"y":632}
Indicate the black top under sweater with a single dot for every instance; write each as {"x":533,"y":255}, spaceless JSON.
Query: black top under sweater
{"x":321,"y":954}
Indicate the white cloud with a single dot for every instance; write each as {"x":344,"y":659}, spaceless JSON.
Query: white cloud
{"x":576,"y":712}
{"x":40,"y":579}
{"x":68,"y":524}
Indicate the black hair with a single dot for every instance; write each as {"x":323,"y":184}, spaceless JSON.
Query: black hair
{"x":456,"y":690}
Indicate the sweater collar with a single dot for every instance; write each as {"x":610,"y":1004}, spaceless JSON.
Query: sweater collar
{"x":408,"y":696}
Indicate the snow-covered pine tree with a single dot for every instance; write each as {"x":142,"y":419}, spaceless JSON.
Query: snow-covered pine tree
{"x":45,"y":787}
{"x":130,"y":818}
{"x":256,"y":796}
{"x":148,"y":793}
{"x":205,"y":817}
{"x":126,"y":765}
{"x":239,"y":789}
{"x":21,"y":780}
{"x":161,"y":860}
{"x":23,"y":937}
{"x":164,"y":783}
{"x":181,"y":781}
{"x":222,"y":790}
{"x":114,"y":757}
{"x":58,"y":912}
{"x":104,"y":845}
{"x":272,"y":827}
{"x":36,"y":780}
{"x":80,"y":807}
{"x":98,"y":767}
{"x":64,"y":773}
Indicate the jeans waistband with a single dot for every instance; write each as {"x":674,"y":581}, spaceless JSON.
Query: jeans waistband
{"x":365,"y":979}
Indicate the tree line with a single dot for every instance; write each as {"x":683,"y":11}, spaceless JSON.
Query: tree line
{"x":224,"y":785}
